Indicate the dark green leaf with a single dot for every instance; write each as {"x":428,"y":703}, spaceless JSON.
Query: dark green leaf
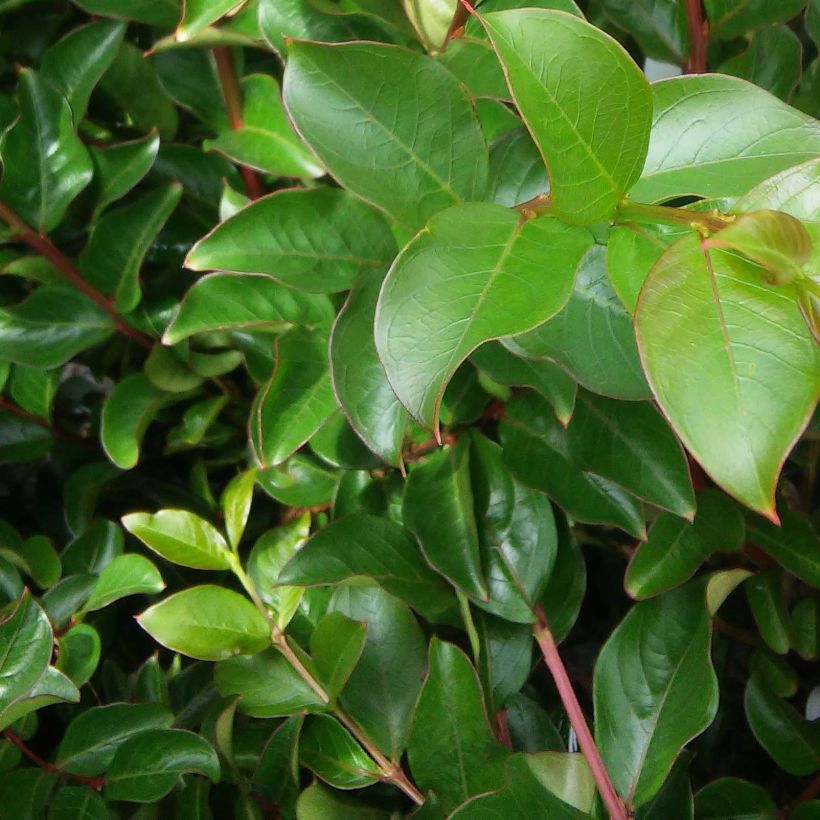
{"x":730,"y":798}
{"x":330,"y":751}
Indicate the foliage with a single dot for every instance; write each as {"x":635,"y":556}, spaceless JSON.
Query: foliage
{"x":356,"y":356}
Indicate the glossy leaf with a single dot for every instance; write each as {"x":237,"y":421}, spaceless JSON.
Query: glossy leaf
{"x":118,"y":168}
{"x":765,"y":594}
{"x":207,"y":622}
{"x":330,"y":751}
{"x":236,"y":505}
{"x":793,"y":191}
{"x":336,"y":645}
{"x":475,"y":273}
{"x":130,"y":574}
{"x":731,"y":18}
{"x":727,"y":797}
{"x":793,"y":545}
{"x":153,"y":12}
{"x":433,"y":149}
{"x":198,"y":14}
{"x":659,"y":26}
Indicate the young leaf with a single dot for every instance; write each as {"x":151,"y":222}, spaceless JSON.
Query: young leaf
{"x":207,"y":622}
{"x":181,"y":537}
{"x":236,"y":505}
{"x":646,"y":710}
{"x":330,"y":751}
{"x":336,"y":645}
{"x":343,"y":101}
{"x":146,"y":766}
{"x":78,"y":653}
{"x":594,"y":151}
{"x":317,"y":240}
{"x":475,"y":273}
{"x":793,"y":191}
{"x":130,"y":574}
{"x":742,"y":329}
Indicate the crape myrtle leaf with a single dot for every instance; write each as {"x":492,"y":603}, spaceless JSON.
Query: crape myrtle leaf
{"x":179,"y":536}
{"x":517,"y":172}
{"x":129,"y":574}
{"x":650,"y":703}
{"x":37,"y":557}
{"x":267,"y":685}
{"x":296,"y":401}
{"x":733,"y":18}
{"x":517,"y":536}
{"x":743,"y":332}
{"x":431,"y":146}
{"x":331,"y":752}
{"x":197,"y":420}
{"x":805,"y":619}
{"x":730,"y":798}
{"x":165,"y":13}
{"x":45,"y":165}
{"x":130,"y":407}
{"x":337,"y":444}
{"x":521,"y":797}
{"x":113,"y":257}
{"x":167,"y":370}
{"x":376,"y":547}
{"x":52,"y":687}
{"x":199,"y":14}
{"x":450,"y":715}
{"x":317,"y":240}
{"x":78,"y":653}
{"x":594,"y":152}
{"x":33,"y":389}
{"x":438,"y":489}
{"x":336,"y":645}
{"x":225,"y":301}
{"x":24,"y":792}
{"x":236,"y":505}
{"x":276,"y":775}
{"x":675,"y":796}
{"x":715,"y":136}
{"x":358,"y":377}
{"x":81,"y":492}
{"x":476,"y":272}
{"x":77,"y":803}
{"x":496,"y":119}
{"x":266,"y":140}
{"x":473,"y":61}
{"x":592,"y":337}
{"x":202,"y":175}
{"x":793,"y":545}
{"x":567,"y":776}
{"x":659,"y":26}
{"x":318,"y":801}
{"x":567,"y":584}
{"x":794,"y":191}
{"x":775,"y":672}
{"x":383,"y":688}
{"x":21,"y":439}
{"x":767,"y":602}
{"x":790,"y":740}
{"x":52,"y":326}
{"x":505,"y":660}
{"x":631,"y":443}
{"x":538,"y":452}
{"x":543,"y":375}
{"x":147,"y":765}
{"x":66,"y":597}
{"x":75,"y":63}
{"x":207,"y":622}
{"x":301,"y":481}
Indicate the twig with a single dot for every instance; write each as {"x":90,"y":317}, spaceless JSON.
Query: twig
{"x":233,"y":102}
{"x":543,"y":636}
{"x":502,"y":728}
{"x":54,"y":429}
{"x":698,"y":38}
{"x":45,"y":247}
{"x":812,"y":790}
{"x":456,"y":26}
{"x":13,"y":737}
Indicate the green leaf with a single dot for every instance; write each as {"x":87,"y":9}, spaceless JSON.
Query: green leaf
{"x":330,"y":751}
{"x":267,"y":685}
{"x":655,"y":689}
{"x":34,"y":389}
{"x":566,"y":775}
{"x":146,"y":766}
{"x":594,"y":151}
{"x":766,"y":596}
{"x":793,"y":191}
{"x":431,"y":147}
{"x":52,"y":687}
{"x":244,"y":302}
{"x":21,"y":439}
{"x":775,"y":672}
{"x":93,"y":736}
{"x":113,"y":257}
{"x":130,"y":407}
{"x":129,"y":574}
{"x":296,"y":401}
{"x":301,"y":481}
{"x":505,"y":659}
{"x":730,"y":798}
{"x":276,"y":776}
{"x":359,"y":380}
{"x":718,"y":136}
{"x":336,"y":645}
{"x":45,"y":166}
{"x":266,"y":140}
{"x":790,"y":740}
{"x":564,"y":594}
{"x":805,"y":619}
{"x":733,"y":18}
{"x":537,"y":450}
{"x":592,"y":337}
{"x":320,"y":803}
{"x":437,"y":490}
{"x":25,"y":649}
{"x":317,"y":240}
{"x":167,"y":370}
{"x":24,"y":792}
{"x":659,"y":26}
{"x":236,"y":505}
{"x":75,"y":64}
{"x":51,"y":326}
{"x":793,"y":545}
{"x":382,"y":690}
{"x":199,"y":14}
{"x":164,"y":13}
{"x":473,"y":61}
{"x":207,"y":622}
{"x":450,"y":716}
{"x":517,"y":172}
{"x":77,"y":803}
{"x":475,"y":273}
{"x":362,"y":544}
{"x":36,"y":557}
{"x":79,"y":653}
{"x":743,"y":331}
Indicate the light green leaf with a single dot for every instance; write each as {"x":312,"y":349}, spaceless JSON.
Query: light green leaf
{"x":199,"y":14}
{"x":795,"y":191}
{"x":566,"y":775}
{"x":331,"y":752}
{"x":756,"y":360}
{"x":594,"y":151}
{"x":236,"y":505}
{"x":475,"y":273}
{"x":129,"y":574}
{"x":34,"y":389}
{"x":164,"y":13}
{"x":336,"y":645}
{"x":52,"y":687}
{"x":431,"y":147}
{"x":79,"y":653}
{"x":181,"y":537}
{"x":207,"y":622}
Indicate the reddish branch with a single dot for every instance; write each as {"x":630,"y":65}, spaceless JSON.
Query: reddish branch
{"x":698,"y":37}
{"x":41,"y":243}
{"x":811,"y":791}
{"x":93,"y":782}
{"x":233,"y":102}
{"x":55,"y":430}
{"x":457,"y":25}
{"x":614,"y":805}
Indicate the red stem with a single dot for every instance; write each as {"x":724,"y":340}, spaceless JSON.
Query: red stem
{"x":812,"y":790}
{"x":698,"y":38}
{"x":93,"y":782}
{"x":46,"y":248}
{"x":456,"y":26}
{"x":55,"y":431}
{"x":615,"y":806}
{"x":233,"y":102}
